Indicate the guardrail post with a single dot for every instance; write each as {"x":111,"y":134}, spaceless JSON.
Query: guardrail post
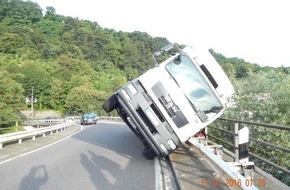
{"x":236,"y":140}
{"x":244,"y":145}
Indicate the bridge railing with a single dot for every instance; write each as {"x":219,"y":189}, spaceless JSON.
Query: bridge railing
{"x":21,"y":135}
{"x":225,"y":131}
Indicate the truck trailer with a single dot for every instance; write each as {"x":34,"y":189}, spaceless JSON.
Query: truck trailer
{"x":174,"y":100}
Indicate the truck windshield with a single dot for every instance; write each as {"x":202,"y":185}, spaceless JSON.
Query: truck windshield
{"x":194,"y":86}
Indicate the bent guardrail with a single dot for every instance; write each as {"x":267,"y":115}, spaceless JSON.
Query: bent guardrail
{"x":20,"y":136}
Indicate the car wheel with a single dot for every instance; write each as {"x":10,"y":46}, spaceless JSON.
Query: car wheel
{"x":111,"y":103}
{"x":148,"y":153}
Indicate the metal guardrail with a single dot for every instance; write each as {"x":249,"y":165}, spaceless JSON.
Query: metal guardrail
{"x":20,"y":136}
{"x":44,"y":122}
{"x":238,"y":124}
{"x":47,"y":122}
{"x":236,"y":175}
{"x":234,"y":125}
{"x":110,"y":118}
{"x":56,"y":124}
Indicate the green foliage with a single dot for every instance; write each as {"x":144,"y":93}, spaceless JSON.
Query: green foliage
{"x":82,"y":99}
{"x":12,"y":99}
{"x":56,"y":54}
{"x":17,"y":12}
{"x":7,"y":130}
{"x":11,"y":43}
{"x":63,"y":58}
{"x":57,"y":95}
{"x":235,"y":67}
{"x":75,"y":65}
{"x":266,"y":97}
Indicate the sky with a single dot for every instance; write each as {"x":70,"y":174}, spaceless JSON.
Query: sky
{"x":257,"y":31}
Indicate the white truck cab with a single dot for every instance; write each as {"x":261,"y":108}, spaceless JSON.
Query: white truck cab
{"x":174,"y":100}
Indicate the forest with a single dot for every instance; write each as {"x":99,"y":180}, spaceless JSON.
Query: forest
{"x":74,"y":65}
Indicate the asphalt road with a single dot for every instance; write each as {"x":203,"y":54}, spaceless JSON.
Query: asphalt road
{"x":103,"y":156}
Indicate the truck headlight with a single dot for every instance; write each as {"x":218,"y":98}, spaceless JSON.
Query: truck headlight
{"x":171,"y":144}
{"x":163,"y":148}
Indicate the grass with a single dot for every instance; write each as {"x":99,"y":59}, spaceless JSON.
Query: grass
{"x":7,"y":130}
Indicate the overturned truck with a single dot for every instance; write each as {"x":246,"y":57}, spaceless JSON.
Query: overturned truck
{"x":173,"y":101}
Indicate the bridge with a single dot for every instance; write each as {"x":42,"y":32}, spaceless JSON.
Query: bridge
{"x":203,"y":163}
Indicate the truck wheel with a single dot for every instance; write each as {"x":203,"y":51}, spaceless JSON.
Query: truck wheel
{"x":148,"y":153}
{"x":111,"y":103}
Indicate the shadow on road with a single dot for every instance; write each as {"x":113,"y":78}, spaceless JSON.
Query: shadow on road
{"x":115,"y":159}
{"x":116,"y":137}
{"x":100,"y":169}
{"x":36,"y":178}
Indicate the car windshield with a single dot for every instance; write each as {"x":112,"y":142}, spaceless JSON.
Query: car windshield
{"x":196,"y":89}
{"x":89,"y":115}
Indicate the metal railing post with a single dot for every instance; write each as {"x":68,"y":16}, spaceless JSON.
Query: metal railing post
{"x":236,"y":140}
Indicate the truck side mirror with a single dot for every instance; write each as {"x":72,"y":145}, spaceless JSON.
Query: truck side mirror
{"x":177,"y":60}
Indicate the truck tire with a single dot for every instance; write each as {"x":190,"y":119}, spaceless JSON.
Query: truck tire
{"x":111,"y":103}
{"x":148,"y":153}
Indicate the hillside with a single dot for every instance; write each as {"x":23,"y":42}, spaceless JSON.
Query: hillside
{"x":73,"y":65}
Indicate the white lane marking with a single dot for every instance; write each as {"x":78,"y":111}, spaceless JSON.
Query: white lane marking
{"x":41,"y":147}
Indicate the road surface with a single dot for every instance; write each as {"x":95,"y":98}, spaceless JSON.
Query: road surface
{"x":103,"y":156}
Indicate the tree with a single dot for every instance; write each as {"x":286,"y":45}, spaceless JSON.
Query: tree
{"x":241,"y":71}
{"x":12,"y":99}
{"x":11,"y":43}
{"x":50,"y":13}
{"x":266,"y":95}
{"x":36,"y":76}
{"x":81,"y":99}
{"x":17,"y":12}
{"x":57,"y":95}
